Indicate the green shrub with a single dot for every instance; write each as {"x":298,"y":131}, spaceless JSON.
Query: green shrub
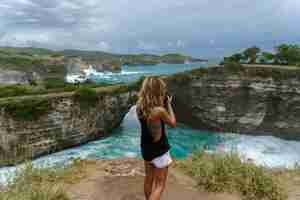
{"x":20,"y":90}
{"x":227,"y":173}
{"x":87,"y":97}
{"x":16,"y":60}
{"x":233,"y":67}
{"x":13,"y":90}
{"x":51,"y":83}
{"x":28,"y":109}
{"x":173,"y":58}
{"x":42,"y":184}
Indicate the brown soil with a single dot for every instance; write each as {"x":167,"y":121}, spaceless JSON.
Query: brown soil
{"x":123,"y":180}
{"x":291,"y":182}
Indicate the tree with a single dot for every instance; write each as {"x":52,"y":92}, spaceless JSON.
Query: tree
{"x":287,"y":54}
{"x":251,"y":54}
{"x":238,"y":57}
{"x":266,"y":57}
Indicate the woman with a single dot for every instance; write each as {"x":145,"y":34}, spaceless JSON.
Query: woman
{"x":154,"y":110}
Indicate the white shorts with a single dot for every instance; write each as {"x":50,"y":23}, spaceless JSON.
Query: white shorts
{"x":162,"y":161}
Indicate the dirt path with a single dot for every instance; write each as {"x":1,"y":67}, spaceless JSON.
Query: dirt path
{"x":123,"y":180}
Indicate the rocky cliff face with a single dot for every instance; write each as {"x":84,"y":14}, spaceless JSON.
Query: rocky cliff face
{"x":67,"y":124}
{"x":257,"y":101}
{"x":251,"y":100}
{"x":76,"y":66}
{"x":11,"y":77}
{"x":102,"y":66}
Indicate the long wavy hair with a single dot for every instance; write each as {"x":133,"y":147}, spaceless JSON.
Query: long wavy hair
{"x":152,"y":94}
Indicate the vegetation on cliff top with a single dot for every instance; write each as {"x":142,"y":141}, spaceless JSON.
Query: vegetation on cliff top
{"x":238,"y":70}
{"x":45,"y":62}
{"x":284,"y":54}
{"x":56,"y":85}
{"x":27,"y":109}
{"x":227,"y":173}
{"x":131,"y":59}
{"x":50,"y":85}
{"x":86,"y":97}
{"x":31,"y":108}
{"x":43,"y":184}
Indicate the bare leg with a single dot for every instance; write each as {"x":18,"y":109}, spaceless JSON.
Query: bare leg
{"x":148,"y":182}
{"x":159,"y":183}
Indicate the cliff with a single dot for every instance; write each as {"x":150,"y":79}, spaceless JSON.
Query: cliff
{"x":101,"y":66}
{"x":11,"y":77}
{"x":250,"y":100}
{"x":76,"y":66}
{"x":36,"y":125}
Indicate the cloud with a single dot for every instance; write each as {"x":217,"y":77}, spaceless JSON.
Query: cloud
{"x":104,"y":46}
{"x":153,"y":26}
{"x":180,"y":44}
{"x":147,"y":46}
{"x":212,"y":42}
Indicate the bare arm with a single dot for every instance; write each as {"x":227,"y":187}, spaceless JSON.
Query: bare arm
{"x":168,"y":115}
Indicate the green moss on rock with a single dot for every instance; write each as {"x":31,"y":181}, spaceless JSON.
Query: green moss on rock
{"x":27,"y":109}
{"x":86,"y":97}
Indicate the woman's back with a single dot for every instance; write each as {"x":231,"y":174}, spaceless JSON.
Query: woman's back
{"x":154,"y":141}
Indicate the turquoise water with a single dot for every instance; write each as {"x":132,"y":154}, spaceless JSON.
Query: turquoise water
{"x":124,"y":141}
{"x":133,"y":73}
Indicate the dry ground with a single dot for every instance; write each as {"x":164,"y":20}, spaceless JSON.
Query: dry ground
{"x":123,"y":180}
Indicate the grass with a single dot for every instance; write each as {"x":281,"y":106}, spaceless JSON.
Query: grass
{"x":227,"y":173}
{"x":20,"y":90}
{"x":87,"y":97}
{"x":21,"y":61}
{"x":27,"y":109}
{"x":49,"y":85}
{"x":43,"y":184}
{"x":56,"y":84}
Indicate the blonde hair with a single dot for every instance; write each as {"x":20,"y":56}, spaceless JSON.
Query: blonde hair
{"x":152,"y":94}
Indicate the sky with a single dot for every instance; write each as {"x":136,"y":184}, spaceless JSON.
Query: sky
{"x":203,"y":28}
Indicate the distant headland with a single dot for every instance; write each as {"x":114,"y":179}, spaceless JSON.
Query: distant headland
{"x":31,"y":65}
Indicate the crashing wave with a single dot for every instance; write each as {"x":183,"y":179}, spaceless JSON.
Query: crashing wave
{"x":81,"y":77}
{"x":92,"y":74}
{"x":76,"y":78}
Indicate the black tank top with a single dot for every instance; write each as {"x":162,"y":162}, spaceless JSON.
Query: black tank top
{"x":151,"y":149}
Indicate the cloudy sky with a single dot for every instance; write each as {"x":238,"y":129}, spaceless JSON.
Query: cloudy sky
{"x":206,"y":28}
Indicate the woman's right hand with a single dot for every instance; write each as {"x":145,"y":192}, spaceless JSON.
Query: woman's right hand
{"x":168,"y":116}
